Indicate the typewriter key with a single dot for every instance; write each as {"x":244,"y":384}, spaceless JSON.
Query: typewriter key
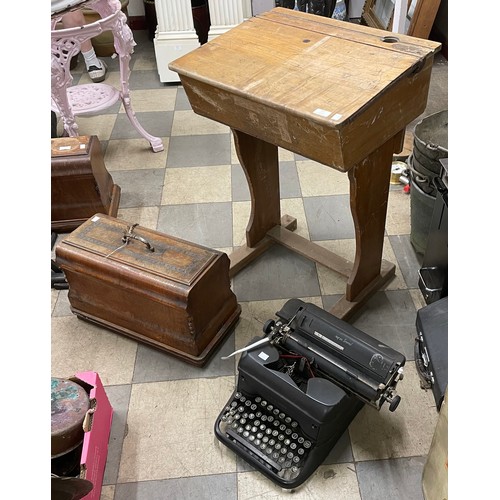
{"x":282,"y":427}
{"x":281,"y":437}
{"x":240,"y":429}
{"x":294,"y":424}
{"x":258,"y":399}
{"x":284,"y":450}
{"x":246,"y":434}
{"x":243,"y":399}
{"x":255,"y":429}
{"x":257,"y":442}
{"x":269,"y":450}
{"x":293,"y":446}
{"x":256,"y":423}
{"x":237,"y":395}
{"x":243,"y":420}
{"x":260,"y":435}
{"x":272,"y":442}
{"x":282,"y":415}
{"x":307,"y":444}
{"x":288,"y":431}
{"x":296,"y":460}
{"x":259,"y":414}
{"x":265,"y":439}
{"x":300,"y":440}
{"x":289,"y":455}
{"x":248,"y":427}
{"x":275,"y":455}
{"x":262,"y":446}
{"x":287,"y":442}
{"x":248,"y":403}
{"x":300,"y":451}
{"x":251,"y":437}
{"x":251,"y":416}
{"x":270,"y":418}
{"x":295,"y":435}
{"x":277,"y":412}
{"x":253,"y":407}
{"x":281,"y":460}
{"x":263,"y":403}
{"x":275,"y":433}
{"x":277,"y":446}
{"x":288,"y":420}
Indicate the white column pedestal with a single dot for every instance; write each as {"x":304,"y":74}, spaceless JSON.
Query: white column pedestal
{"x":176,"y":36}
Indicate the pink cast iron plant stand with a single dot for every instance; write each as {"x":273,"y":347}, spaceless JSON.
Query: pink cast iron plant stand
{"x":69,"y":101}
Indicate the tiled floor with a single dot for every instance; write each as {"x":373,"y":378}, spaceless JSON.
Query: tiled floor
{"x":162,"y":444}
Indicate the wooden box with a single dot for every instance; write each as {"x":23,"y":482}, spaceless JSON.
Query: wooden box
{"x":165,"y":292}
{"x":81,"y":185}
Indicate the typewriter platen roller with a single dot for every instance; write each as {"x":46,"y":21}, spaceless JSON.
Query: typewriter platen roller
{"x":300,"y":386}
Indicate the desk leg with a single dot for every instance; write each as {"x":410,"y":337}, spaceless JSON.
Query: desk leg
{"x":259,"y":160}
{"x":369,"y":187}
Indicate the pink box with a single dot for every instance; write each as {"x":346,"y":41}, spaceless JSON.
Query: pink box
{"x":97,"y":428}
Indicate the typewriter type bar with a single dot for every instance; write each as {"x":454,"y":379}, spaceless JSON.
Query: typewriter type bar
{"x":297,"y":393}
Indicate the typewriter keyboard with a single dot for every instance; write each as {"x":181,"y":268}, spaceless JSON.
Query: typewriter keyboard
{"x":266,"y":433}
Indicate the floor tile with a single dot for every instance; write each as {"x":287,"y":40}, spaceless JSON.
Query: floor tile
{"x":320,"y":180}
{"x":149,"y":100}
{"x":153,"y":365}
{"x":139,"y":188}
{"x":99,"y":125}
{"x":208,"y":224}
{"x":181,"y":101}
{"x":278,"y":273}
{"x":144,"y":79}
{"x":197,"y":185}
{"x":329,"y":217}
{"x":119,"y":398}
{"x":155,"y":124}
{"x":409,"y":261}
{"x":78,"y":345}
{"x":391,"y":479}
{"x":340,"y":479}
{"x":390,"y":316}
{"x":159,"y":446}
{"x":406,"y":432}
{"x":332,"y":282}
{"x":199,"y":150}
{"x":134,"y":154}
{"x":398,"y":213}
{"x":220,"y":486}
{"x":189,"y":123}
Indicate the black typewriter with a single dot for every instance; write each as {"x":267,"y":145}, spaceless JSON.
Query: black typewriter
{"x":300,"y":386}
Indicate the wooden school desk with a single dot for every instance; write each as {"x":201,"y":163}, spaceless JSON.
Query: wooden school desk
{"x":335,"y":92}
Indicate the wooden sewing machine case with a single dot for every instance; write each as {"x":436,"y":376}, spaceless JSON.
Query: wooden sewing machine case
{"x":81,"y":185}
{"x":165,"y":292}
